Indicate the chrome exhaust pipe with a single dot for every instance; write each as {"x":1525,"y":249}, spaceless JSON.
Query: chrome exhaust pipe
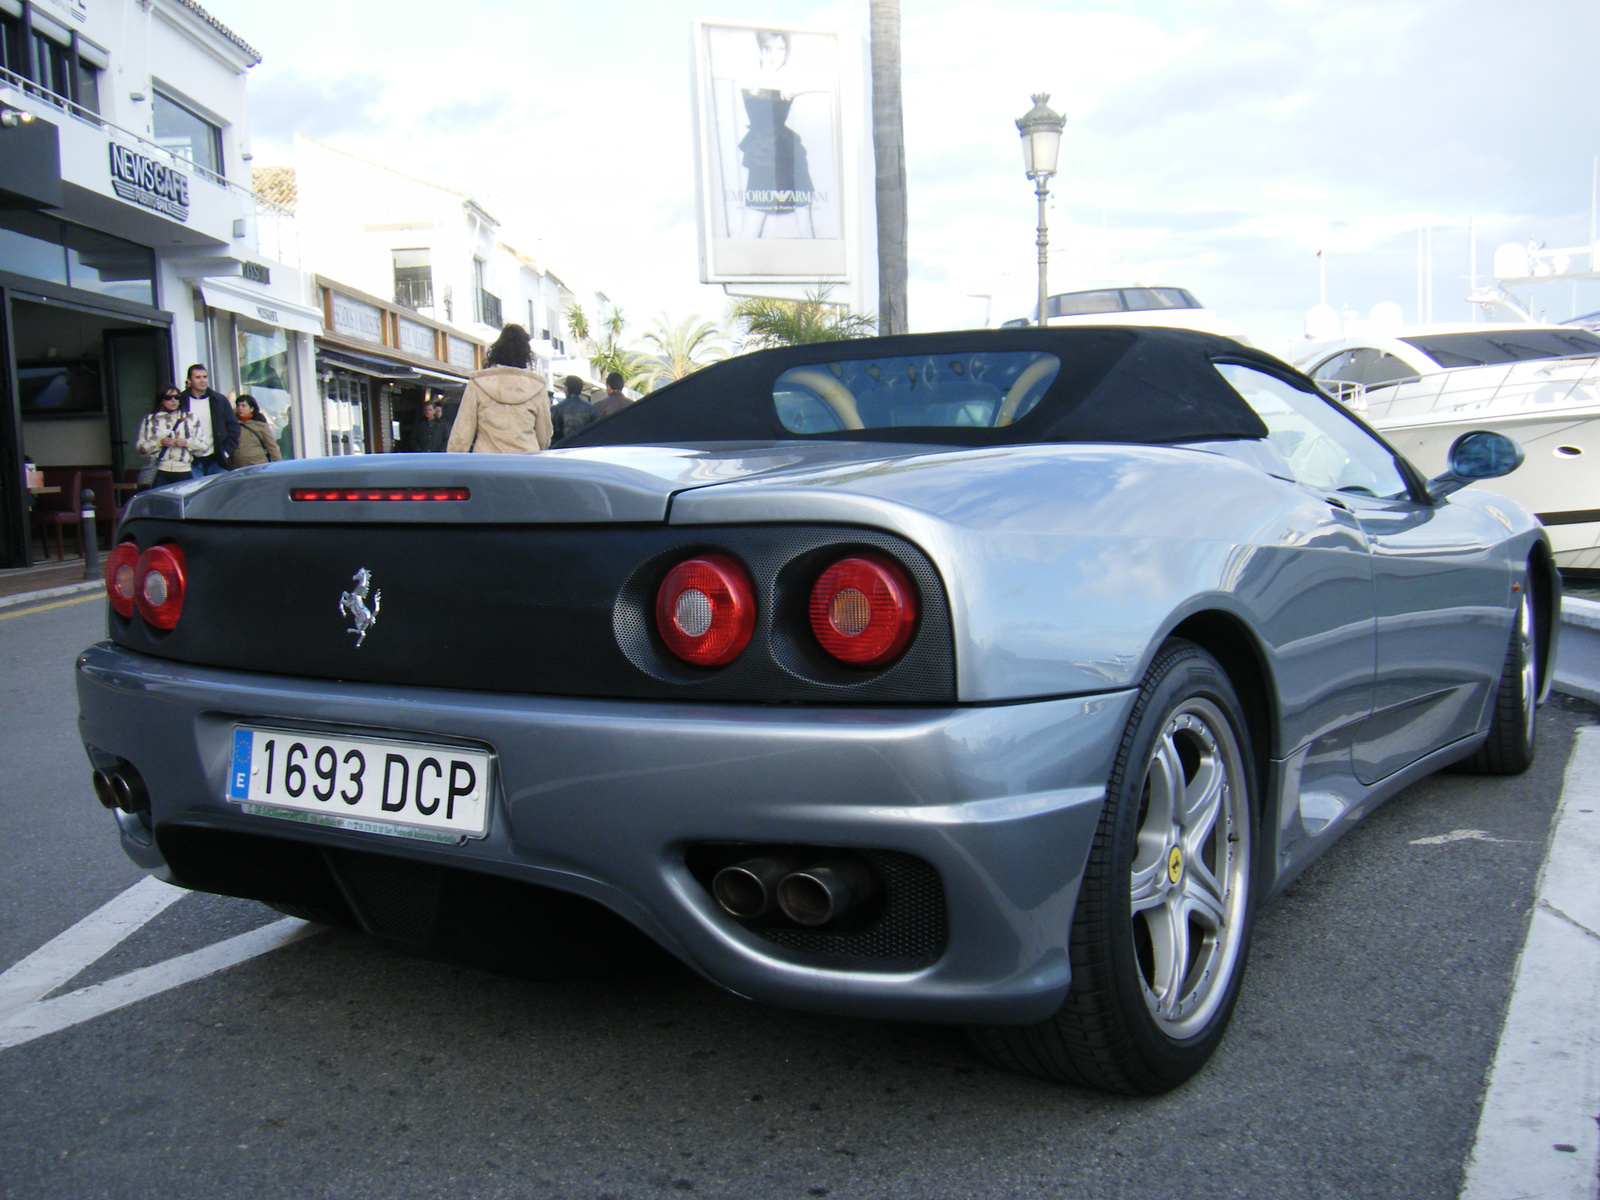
{"x":103,"y":789}
{"x":127,"y":789}
{"x":748,"y":889}
{"x":825,"y":892}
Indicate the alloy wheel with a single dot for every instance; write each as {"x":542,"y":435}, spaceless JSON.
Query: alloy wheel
{"x":1190,"y":878}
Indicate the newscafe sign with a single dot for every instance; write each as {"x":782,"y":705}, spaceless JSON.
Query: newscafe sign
{"x":768,"y":147}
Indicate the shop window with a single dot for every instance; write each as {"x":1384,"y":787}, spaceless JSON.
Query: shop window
{"x":413,"y":278}
{"x":344,"y":413}
{"x":185,"y":132}
{"x":264,"y":374}
{"x":30,"y":244}
{"x":98,"y":262}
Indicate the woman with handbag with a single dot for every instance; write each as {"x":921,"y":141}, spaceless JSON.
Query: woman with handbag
{"x":165,"y":437}
{"x":256,"y":443}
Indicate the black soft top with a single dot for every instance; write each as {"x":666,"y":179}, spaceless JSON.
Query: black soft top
{"x":1116,"y":384}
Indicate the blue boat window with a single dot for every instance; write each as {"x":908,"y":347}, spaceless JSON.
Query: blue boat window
{"x":979,"y":390}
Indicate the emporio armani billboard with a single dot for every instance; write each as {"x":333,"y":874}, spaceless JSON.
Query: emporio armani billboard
{"x":772,"y":208}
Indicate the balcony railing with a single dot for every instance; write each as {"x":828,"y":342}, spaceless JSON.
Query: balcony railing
{"x":271,"y":227}
{"x":414,"y":293}
{"x":489,"y":309}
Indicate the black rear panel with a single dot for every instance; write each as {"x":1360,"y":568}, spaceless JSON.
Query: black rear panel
{"x":554,"y":610}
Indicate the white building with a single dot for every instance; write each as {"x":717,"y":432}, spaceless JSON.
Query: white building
{"x":395,"y":260}
{"x":131,"y":244}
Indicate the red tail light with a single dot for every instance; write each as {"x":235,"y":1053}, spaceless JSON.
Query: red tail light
{"x":706,"y":610}
{"x":388,"y":493}
{"x":120,"y":576}
{"x":864,"y":610}
{"x":159,"y":580}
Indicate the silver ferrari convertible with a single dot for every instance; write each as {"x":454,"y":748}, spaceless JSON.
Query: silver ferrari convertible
{"x":992,"y":678}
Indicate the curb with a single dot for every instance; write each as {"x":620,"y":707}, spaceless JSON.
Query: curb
{"x":70,"y":589}
{"x":1578,"y":661}
{"x":1536,"y":1136}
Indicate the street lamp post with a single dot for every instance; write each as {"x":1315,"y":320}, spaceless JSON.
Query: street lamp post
{"x":1041,"y":129}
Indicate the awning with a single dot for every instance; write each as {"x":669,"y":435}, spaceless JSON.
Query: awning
{"x":367,"y":364}
{"x":259,"y":306}
{"x":386,"y":368}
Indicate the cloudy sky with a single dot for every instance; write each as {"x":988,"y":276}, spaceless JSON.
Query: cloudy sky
{"x":1212,"y":144}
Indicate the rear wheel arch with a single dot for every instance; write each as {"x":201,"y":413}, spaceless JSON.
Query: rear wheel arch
{"x":1230,"y":641}
{"x":1546,"y":600}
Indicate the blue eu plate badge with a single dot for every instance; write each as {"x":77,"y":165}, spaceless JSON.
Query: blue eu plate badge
{"x":239,"y":779}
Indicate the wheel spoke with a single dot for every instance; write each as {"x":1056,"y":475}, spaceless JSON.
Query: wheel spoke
{"x":1202,"y":895}
{"x":1149,"y":884}
{"x":1169,"y":939}
{"x":1166,"y":785}
{"x":1202,"y":799}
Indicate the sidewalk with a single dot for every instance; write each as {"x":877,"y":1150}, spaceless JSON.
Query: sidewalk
{"x":45,"y":581}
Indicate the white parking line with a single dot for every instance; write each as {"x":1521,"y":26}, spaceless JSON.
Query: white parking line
{"x":51,"y":1016}
{"x":63,"y":956}
{"x":1537,"y":1135}
{"x":26,"y":1015}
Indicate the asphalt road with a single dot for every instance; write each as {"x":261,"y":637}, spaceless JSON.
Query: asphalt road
{"x":336,"y":1068}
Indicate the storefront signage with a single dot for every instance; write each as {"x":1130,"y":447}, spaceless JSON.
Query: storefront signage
{"x":416,"y":339}
{"x":145,"y":181}
{"x":257,"y":272}
{"x":461,"y":354}
{"x":269,"y":315}
{"x":355,"y":319}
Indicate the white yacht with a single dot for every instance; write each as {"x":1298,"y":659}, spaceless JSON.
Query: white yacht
{"x":1540,"y":384}
{"x":1135,"y":304}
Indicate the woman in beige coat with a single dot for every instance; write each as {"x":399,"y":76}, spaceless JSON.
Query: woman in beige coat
{"x":506,"y":407}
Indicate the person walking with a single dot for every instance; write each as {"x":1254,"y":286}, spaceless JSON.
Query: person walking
{"x":256,"y":441}
{"x":216,"y":427}
{"x":613,"y":400}
{"x":431,"y":434}
{"x":574,"y":412}
{"x":164,"y":439}
{"x":506,"y":407}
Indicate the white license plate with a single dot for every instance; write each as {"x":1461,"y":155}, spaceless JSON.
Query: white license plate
{"x":403,"y":789}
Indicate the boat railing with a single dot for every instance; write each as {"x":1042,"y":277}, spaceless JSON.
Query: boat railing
{"x":1466,"y":389}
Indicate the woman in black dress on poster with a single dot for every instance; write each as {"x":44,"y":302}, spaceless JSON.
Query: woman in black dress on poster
{"x":777,"y":179}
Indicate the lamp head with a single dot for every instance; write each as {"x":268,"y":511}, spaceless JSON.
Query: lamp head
{"x":10,"y":118}
{"x":1040,"y":128}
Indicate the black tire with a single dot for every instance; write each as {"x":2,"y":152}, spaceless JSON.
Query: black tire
{"x":1111,"y":1032}
{"x":1514,"y":728}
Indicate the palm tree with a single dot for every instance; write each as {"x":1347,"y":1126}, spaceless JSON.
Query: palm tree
{"x":889,"y":158}
{"x":767,"y":322}
{"x":676,"y":351}
{"x":578,"y":323}
{"x":611,"y":356}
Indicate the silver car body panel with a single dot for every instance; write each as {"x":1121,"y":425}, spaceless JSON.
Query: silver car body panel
{"x":1378,"y":629}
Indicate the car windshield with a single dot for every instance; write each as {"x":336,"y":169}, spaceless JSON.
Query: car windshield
{"x":983,"y":390}
{"x":1504,"y":346}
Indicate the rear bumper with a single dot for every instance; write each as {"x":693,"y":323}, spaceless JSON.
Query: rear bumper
{"x":601,"y":798}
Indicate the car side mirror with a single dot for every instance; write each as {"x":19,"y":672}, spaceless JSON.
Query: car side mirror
{"x":1481,"y":454}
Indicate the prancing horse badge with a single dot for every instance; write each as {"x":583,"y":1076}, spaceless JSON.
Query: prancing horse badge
{"x":354,"y":604}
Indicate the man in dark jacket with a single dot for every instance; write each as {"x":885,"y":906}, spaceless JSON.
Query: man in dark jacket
{"x":213,"y":413}
{"x":573,"y":413}
{"x":613,"y":400}
{"x":430,"y":434}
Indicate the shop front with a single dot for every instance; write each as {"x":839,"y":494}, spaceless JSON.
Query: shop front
{"x":378,"y":364}
{"x":83,"y":349}
{"x":120,"y":264}
{"x":257,"y":344}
